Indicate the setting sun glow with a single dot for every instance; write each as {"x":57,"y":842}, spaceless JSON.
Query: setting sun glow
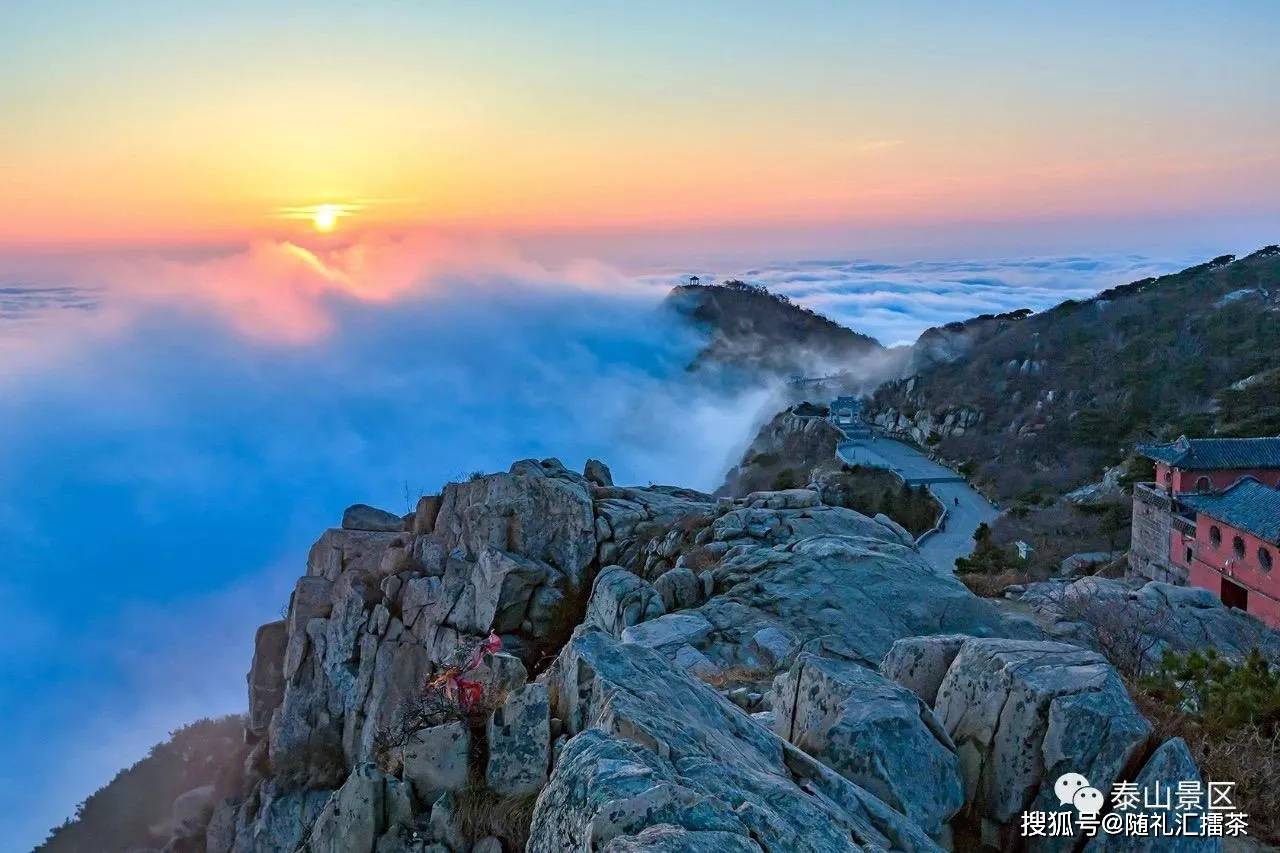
{"x":325,"y":217}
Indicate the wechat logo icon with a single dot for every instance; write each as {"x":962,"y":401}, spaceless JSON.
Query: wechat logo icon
{"x":1073,"y":789}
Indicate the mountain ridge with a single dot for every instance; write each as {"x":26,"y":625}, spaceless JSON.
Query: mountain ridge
{"x":1064,"y":393}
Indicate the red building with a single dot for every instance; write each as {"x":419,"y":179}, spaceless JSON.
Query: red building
{"x":1212,"y":519}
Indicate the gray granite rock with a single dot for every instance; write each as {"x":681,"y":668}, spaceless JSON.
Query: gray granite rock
{"x":620,"y":599}
{"x":266,"y":675}
{"x":520,"y":742}
{"x":1168,"y":766}
{"x":364,"y":808}
{"x":874,"y":733}
{"x":437,"y":760}
{"x":365,"y":517}
{"x":1022,"y":713}
{"x":679,"y":588}
{"x":654,"y":746}
{"x":919,"y":663}
{"x":671,"y":630}
{"x":597,"y":473}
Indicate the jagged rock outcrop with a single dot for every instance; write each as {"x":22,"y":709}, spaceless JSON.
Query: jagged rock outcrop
{"x":765,"y":673}
{"x":922,"y":424}
{"x":646,"y":530}
{"x":1022,"y":713}
{"x":874,"y":733}
{"x":783,"y":453}
{"x":1149,"y":618}
{"x":652,"y":747}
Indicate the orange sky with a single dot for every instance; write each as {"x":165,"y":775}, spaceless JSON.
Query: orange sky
{"x":140,"y":124}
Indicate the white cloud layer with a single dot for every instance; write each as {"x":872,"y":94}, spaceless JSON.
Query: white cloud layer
{"x":174,"y":433}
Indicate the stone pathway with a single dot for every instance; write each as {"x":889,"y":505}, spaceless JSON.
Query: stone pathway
{"x":965,"y":507}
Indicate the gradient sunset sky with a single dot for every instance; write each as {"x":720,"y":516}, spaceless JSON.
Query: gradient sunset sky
{"x":159,"y":123}
{"x":262,"y":260}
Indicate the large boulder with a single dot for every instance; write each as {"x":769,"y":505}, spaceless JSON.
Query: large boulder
{"x":598,"y":473}
{"x":505,"y":586}
{"x":620,"y":599}
{"x":338,"y":551}
{"x":1145,"y":621}
{"x":1022,"y":713}
{"x":920,"y":663}
{"x":858,"y":591}
{"x":437,"y":760}
{"x":266,"y":675}
{"x":1171,"y":767}
{"x":367,"y":805}
{"x":670,"y":631}
{"x":520,"y":742}
{"x":365,"y":517}
{"x":540,"y":511}
{"x":872,"y":732}
{"x":678,"y":588}
{"x":653,"y":746}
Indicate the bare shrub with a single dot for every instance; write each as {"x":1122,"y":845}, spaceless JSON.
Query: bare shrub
{"x":1127,"y":630}
{"x":446,"y":697}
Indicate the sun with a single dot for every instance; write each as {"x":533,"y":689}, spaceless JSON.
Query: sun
{"x":325,"y":217}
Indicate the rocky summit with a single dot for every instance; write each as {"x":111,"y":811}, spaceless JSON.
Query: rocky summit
{"x":546,"y":661}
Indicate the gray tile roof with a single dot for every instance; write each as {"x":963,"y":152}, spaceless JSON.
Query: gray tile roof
{"x":1210,"y":453}
{"x":1248,"y":505}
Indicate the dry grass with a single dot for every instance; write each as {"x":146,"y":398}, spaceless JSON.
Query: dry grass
{"x":1247,"y":756}
{"x":992,"y":586}
{"x":693,"y":522}
{"x":738,"y":675}
{"x":699,"y":558}
{"x":480,"y":813}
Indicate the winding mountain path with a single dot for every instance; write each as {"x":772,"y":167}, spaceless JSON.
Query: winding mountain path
{"x":965,"y":507}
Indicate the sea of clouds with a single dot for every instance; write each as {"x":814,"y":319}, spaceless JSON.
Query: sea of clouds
{"x":174,"y":432}
{"x":896,"y":301}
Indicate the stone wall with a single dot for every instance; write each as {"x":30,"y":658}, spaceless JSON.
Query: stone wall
{"x":1152,"y":534}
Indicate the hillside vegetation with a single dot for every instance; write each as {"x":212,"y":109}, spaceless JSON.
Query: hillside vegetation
{"x":753,"y":330}
{"x":1042,"y":403}
{"x":133,"y":810}
{"x":797,"y":449}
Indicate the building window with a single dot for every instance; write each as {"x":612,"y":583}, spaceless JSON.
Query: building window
{"x":1237,"y":546}
{"x":1215,"y":536}
{"x":1203,"y":485}
{"x":1264,"y":559}
{"x":1188,"y":554}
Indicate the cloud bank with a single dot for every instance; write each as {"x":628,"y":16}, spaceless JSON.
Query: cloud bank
{"x":168,"y":454}
{"x":896,"y":301}
{"x":175,"y":432}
